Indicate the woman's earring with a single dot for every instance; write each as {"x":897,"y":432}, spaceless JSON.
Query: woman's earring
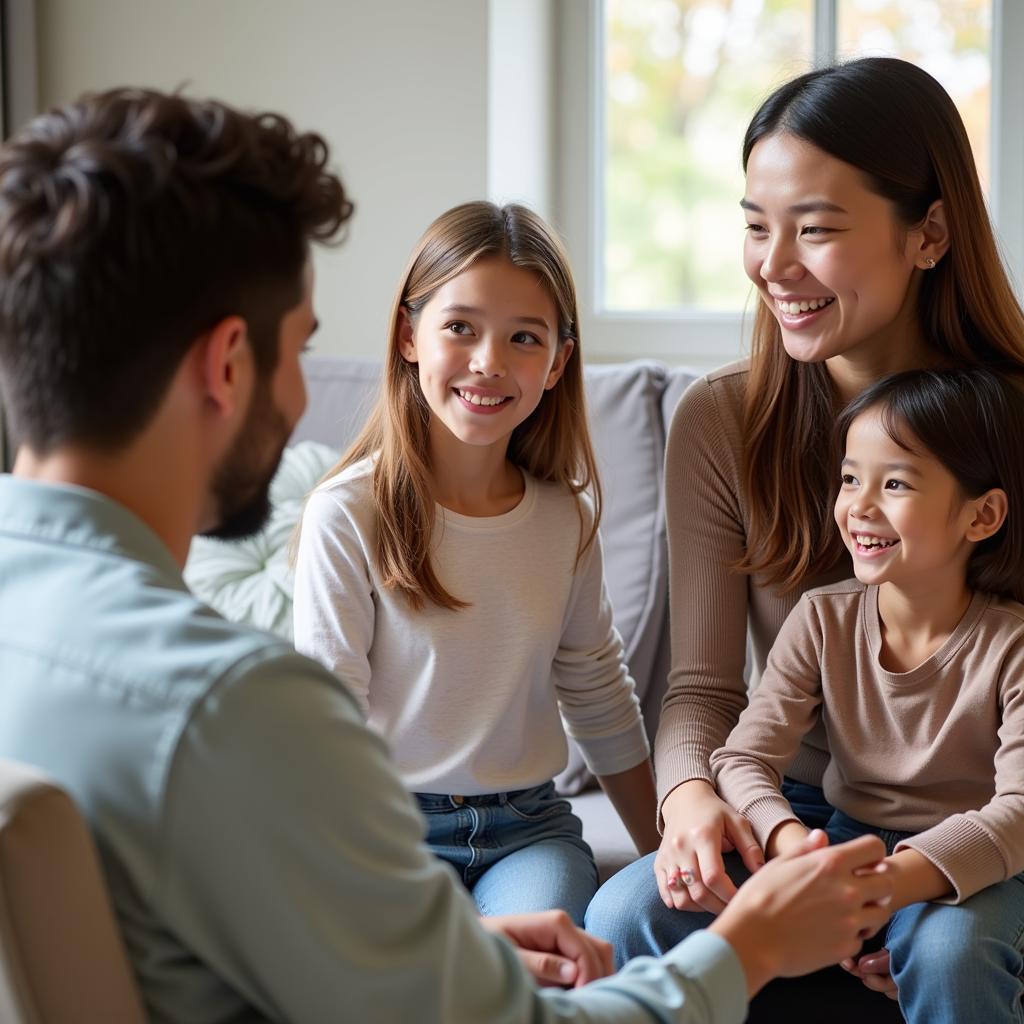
{"x":929,"y":262}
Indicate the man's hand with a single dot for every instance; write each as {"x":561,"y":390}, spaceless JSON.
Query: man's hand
{"x":808,"y":908}
{"x":553,"y":949}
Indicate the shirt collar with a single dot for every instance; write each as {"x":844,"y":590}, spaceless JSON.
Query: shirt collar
{"x":73,"y":515}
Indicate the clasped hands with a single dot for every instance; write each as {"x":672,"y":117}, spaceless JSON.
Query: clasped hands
{"x":691,"y":874}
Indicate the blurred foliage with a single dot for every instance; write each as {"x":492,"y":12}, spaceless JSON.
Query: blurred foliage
{"x":683,"y":78}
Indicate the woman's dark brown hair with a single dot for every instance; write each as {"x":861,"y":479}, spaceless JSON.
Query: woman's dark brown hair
{"x":898,"y":126}
{"x":130,"y":223}
{"x":972,"y":421}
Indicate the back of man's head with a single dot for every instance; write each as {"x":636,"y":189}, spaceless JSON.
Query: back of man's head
{"x":130,"y":223}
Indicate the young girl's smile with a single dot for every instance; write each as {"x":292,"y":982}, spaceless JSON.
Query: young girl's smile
{"x":902,"y":514}
{"x":487,"y":347}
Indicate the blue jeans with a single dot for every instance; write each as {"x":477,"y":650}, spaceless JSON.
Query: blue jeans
{"x":956,"y":964}
{"x":953,"y":963}
{"x":515,"y":852}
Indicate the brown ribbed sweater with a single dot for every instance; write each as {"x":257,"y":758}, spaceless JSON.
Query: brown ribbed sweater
{"x":711,"y":604}
{"x":938,"y":750}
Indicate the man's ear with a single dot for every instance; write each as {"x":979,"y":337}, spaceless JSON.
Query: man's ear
{"x":406,"y":336}
{"x":226,"y":364}
{"x":558,"y":366}
{"x":989,"y":515}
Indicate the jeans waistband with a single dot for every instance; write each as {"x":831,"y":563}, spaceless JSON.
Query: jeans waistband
{"x":445,"y":801}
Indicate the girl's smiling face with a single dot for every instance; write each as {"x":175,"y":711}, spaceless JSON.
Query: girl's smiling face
{"x":487,"y":347}
{"x":829,"y":257}
{"x":902,"y":514}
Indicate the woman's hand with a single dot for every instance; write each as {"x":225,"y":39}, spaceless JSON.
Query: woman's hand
{"x":699,"y":827}
{"x":873,"y":970}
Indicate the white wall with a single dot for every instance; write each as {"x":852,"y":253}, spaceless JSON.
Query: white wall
{"x":397,"y":87}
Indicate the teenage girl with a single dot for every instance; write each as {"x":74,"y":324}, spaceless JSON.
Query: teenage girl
{"x":449,"y":568}
{"x":917,"y":669}
{"x":880,"y":228}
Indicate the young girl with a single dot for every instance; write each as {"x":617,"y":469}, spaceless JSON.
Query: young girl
{"x":449,"y":568}
{"x":917,"y":668}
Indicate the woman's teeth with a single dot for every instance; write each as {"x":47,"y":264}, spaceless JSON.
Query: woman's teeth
{"x":804,"y":306}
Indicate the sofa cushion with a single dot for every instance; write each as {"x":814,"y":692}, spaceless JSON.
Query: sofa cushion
{"x":341,"y":395}
{"x":678,"y":379}
{"x":624,"y":408}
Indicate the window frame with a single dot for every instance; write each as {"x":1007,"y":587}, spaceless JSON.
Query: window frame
{"x":699,"y":339}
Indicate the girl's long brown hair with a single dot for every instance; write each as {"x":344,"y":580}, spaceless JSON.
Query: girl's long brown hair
{"x":897,"y":125}
{"x":552,"y":444}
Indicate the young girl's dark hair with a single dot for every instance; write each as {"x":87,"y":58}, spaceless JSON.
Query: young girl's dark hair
{"x":972,"y":421}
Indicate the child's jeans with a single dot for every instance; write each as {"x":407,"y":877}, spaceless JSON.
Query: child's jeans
{"x":515,"y":852}
{"x":953,"y":964}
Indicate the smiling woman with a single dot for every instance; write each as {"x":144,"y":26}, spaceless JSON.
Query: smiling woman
{"x":831,"y":264}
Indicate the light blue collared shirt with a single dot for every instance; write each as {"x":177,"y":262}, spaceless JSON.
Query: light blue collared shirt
{"x":263,"y":857}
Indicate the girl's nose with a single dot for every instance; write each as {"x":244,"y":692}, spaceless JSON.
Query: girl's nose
{"x":487,"y":359}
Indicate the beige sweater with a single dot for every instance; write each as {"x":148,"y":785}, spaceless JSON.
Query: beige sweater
{"x":938,"y":750}
{"x":712,"y":605}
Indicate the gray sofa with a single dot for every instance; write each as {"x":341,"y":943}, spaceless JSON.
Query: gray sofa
{"x":630,"y":405}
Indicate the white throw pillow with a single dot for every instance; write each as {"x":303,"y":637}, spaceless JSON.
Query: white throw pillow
{"x":250,"y":580}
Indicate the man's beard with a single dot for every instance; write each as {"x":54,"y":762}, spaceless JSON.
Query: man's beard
{"x":241,"y":483}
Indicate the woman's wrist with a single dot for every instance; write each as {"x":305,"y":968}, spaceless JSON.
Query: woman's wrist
{"x":682,"y":796}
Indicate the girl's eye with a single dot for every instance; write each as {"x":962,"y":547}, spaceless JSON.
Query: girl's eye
{"x":525,"y":338}
{"x":458,"y":327}
{"x":849,"y":479}
{"x":896,"y":485}
{"x":757,"y":229}
{"x":814,"y":229}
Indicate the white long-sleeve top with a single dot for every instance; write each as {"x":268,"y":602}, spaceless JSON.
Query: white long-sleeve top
{"x":472,"y":701}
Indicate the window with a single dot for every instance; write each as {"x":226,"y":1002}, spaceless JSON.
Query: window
{"x":679,"y":83}
{"x":658,"y":107}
